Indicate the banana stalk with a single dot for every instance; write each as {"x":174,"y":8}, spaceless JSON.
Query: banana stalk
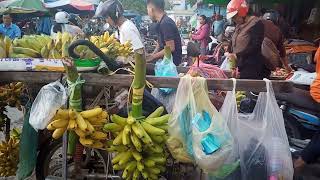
{"x":73,"y":75}
{"x":138,"y":85}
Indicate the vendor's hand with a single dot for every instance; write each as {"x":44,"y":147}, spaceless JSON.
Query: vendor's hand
{"x":231,"y":56}
{"x":149,"y":58}
{"x":68,"y":62}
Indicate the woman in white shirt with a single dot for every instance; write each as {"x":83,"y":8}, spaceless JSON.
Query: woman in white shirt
{"x":112,"y":11}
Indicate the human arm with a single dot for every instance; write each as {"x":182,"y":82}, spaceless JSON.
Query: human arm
{"x":160,"y":54}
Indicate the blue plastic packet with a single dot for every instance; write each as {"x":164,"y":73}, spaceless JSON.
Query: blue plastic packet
{"x":210,"y":144}
{"x":202,"y":121}
{"x":166,"y":68}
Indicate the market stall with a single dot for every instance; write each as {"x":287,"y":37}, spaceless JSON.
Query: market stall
{"x":136,"y":142}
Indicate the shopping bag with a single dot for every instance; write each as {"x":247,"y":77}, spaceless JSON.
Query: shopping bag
{"x":166,"y":68}
{"x":260,"y":137}
{"x":199,"y":127}
{"x":49,"y":99}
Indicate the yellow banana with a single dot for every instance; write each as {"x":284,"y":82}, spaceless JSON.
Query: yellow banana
{"x":127,"y":129}
{"x":140,"y":166}
{"x":63,"y":113}
{"x":81,"y":123}
{"x":59,"y":123}
{"x":158,"y":159}
{"x":117,"y":167}
{"x":44,"y":52}
{"x":131,"y":120}
{"x":104,"y":115}
{"x":85,"y":142}
{"x":125,"y":138}
{"x":90,"y":128}
{"x":137,"y":130}
{"x":130,"y":166}
{"x":99,"y":135}
{"x":72,"y":114}
{"x":58,"y":133}
{"x":118,"y":139}
{"x":125,"y":158}
{"x":72,"y":124}
{"x":97,"y":145}
{"x":136,"y":142}
{"x":149,"y":163}
{"x":145,"y":174}
{"x":91,"y":113}
{"x":153,"y":170}
{"x":26,"y":51}
{"x":136,"y":155}
{"x":117,"y":158}
{"x":136,"y":174}
{"x":80,"y":133}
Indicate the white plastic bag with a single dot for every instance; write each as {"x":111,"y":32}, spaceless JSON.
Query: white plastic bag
{"x":49,"y":99}
{"x":261,"y":138}
{"x":199,"y":126}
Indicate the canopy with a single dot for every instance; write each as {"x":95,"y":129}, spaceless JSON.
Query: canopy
{"x":216,"y":2}
{"x":22,"y":6}
{"x":82,"y":5}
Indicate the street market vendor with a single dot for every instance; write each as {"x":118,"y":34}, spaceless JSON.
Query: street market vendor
{"x":62,"y":20}
{"x":8,"y":28}
{"x":247,"y":41}
{"x":112,"y":10}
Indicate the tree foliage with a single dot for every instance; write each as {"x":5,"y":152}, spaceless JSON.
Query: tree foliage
{"x":135,"y":5}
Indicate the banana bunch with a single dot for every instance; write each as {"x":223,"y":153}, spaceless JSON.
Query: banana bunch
{"x":29,"y":46}
{"x":139,"y":144}
{"x":86,"y":124}
{"x":110,"y":46}
{"x":57,"y":48}
{"x":239,"y":96}
{"x":15,"y":133}
{"x":9,"y":157}
{"x":10,"y":95}
{"x":5,"y":47}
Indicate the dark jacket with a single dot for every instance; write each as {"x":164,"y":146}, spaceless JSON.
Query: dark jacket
{"x":246,"y":44}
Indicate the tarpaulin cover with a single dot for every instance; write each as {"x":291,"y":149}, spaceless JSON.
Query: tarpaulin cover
{"x":78,"y":4}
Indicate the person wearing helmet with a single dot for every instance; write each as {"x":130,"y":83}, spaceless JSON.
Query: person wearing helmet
{"x":273,"y":32}
{"x":62,"y":20}
{"x":247,"y":41}
{"x":112,"y":11}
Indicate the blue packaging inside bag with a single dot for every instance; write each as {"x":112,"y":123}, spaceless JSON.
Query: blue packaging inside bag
{"x":210,"y":144}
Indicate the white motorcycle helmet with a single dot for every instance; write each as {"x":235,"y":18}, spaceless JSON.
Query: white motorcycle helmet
{"x":62,"y":17}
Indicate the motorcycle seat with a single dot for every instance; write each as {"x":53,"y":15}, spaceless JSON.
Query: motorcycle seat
{"x":300,"y":98}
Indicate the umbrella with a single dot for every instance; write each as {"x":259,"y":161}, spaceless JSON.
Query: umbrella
{"x":77,"y":4}
{"x":22,"y":6}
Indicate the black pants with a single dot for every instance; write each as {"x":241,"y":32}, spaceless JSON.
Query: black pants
{"x":311,"y":152}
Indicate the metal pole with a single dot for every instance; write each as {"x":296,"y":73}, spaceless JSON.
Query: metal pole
{"x":64,"y":156}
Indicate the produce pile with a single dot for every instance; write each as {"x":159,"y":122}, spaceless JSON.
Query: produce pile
{"x":86,"y":124}
{"x":9,"y":96}
{"x":139,"y":145}
{"x":42,"y":46}
{"x":9,"y":155}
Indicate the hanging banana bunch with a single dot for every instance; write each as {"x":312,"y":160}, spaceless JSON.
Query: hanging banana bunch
{"x":139,"y":144}
{"x":86,"y":124}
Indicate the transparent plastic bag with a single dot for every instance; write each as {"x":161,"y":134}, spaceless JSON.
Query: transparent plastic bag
{"x":166,"y":99}
{"x":260,"y":137}
{"x":166,"y":68}
{"x":49,"y":99}
{"x":197,"y":124}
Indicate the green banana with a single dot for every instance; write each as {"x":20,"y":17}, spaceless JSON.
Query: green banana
{"x":118,"y":120}
{"x":136,"y":142}
{"x":27,"y":51}
{"x":125,"y":158}
{"x":151,"y":129}
{"x":159,"y":120}
{"x":156,"y":113}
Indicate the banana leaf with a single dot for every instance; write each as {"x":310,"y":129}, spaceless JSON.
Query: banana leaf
{"x":28,"y":147}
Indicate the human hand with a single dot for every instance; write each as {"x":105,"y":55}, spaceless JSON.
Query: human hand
{"x":149,"y":57}
{"x":68,"y":62}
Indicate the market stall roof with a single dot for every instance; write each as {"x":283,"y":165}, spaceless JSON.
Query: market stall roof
{"x":82,"y":5}
{"x":22,"y":6}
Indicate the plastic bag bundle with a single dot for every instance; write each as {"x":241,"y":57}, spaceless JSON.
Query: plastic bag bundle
{"x":199,"y":127}
{"x":261,"y":139}
{"x":166,"y":68}
{"x":49,"y":99}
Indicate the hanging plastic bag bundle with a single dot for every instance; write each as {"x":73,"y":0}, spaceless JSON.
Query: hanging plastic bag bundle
{"x":199,"y":127}
{"x":49,"y":99}
{"x":261,"y":138}
{"x":166,"y":68}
